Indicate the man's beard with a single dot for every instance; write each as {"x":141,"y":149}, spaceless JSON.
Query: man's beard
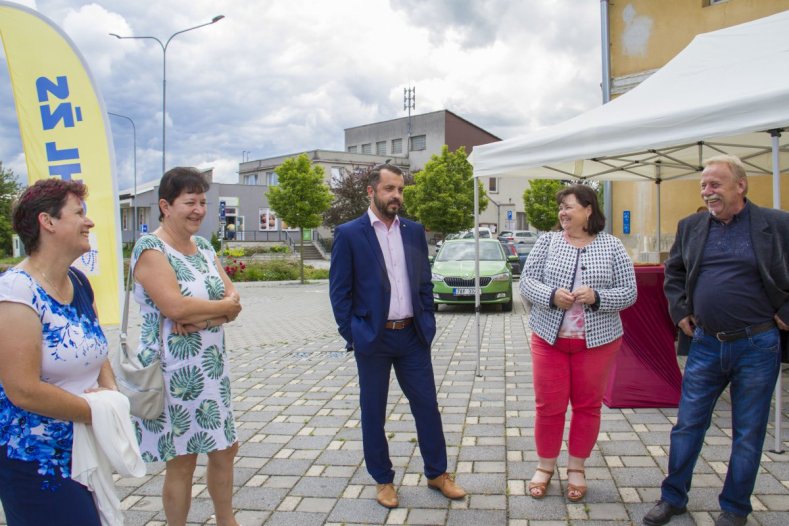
{"x":383,"y":208}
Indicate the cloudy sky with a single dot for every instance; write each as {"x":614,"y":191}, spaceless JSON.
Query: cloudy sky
{"x":282,"y":76}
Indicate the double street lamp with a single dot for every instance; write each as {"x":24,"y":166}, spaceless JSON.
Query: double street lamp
{"x":134,"y":199}
{"x":164,"y":72}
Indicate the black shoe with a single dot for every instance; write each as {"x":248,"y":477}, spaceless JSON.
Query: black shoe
{"x":727,"y":518}
{"x":662,"y":513}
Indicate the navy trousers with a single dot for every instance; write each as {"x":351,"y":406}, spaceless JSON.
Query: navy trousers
{"x":403,"y":350}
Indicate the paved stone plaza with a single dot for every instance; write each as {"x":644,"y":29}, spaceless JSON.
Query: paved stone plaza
{"x":300,"y":461}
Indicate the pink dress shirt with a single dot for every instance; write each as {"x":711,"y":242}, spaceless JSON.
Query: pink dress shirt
{"x":391,"y":243}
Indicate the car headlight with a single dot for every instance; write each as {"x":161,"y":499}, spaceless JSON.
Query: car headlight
{"x":504,"y":276}
{"x":436,"y":277}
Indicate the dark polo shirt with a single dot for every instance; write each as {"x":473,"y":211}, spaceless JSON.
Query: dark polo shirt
{"x":729,"y":293}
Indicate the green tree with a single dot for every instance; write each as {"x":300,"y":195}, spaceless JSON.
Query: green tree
{"x":9,"y":190}
{"x":301,"y":197}
{"x":539,"y":201}
{"x":442,"y":197}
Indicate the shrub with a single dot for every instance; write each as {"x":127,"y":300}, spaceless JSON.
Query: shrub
{"x":234,"y":270}
{"x":274,"y":270}
{"x":280,"y":249}
{"x":215,"y":242}
{"x":234,"y":252}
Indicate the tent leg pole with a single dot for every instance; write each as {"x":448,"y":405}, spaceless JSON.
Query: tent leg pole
{"x":476,"y":273}
{"x":775,"y":136}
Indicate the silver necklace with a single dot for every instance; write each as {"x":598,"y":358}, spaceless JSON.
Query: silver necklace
{"x":57,"y":289}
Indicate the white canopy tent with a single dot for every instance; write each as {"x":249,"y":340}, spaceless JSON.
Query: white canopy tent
{"x":727,"y":92}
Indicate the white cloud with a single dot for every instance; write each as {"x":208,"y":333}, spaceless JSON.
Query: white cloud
{"x":283,"y":76}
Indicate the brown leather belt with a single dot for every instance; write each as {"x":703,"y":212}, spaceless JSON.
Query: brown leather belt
{"x":397,"y":325}
{"x":730,"y":336}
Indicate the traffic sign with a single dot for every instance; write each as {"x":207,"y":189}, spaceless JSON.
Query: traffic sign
{"x":144,"y":228}
{"x":222,"y":210}
{"x":626,"y":221}
{"x":509,"y":215}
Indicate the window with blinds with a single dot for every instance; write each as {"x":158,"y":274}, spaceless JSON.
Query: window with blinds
{"x":418,"y":143}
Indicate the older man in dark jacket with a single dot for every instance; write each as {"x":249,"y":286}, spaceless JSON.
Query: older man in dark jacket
{"x":727,"y":283}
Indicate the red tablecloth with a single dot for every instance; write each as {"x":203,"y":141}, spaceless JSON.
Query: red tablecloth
{"x":646,"y":373}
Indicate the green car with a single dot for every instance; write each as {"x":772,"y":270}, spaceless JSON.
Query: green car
{"x":453,"y":273}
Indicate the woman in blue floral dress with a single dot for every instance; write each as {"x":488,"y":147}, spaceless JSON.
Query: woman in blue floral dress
{"x":52,"y":349}
{"x":185,"y":297}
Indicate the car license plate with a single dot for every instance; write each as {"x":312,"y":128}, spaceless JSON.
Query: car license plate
{"x":466,"y":291}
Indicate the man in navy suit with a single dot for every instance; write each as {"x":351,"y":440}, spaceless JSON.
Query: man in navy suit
{"x":382,"y":299}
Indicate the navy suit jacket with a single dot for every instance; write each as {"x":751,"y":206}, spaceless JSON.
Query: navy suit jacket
{"x":359,"y":285}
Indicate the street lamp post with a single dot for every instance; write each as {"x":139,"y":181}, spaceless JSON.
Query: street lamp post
{"x":134,"y":157}
{"x":164,"y":72}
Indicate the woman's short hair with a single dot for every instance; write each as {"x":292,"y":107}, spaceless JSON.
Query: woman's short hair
{"x":586,"y":196}
{"x":44,"y":196}
{"x":179,"y":180}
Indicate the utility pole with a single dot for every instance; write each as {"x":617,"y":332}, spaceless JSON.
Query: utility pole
{"x":409,"y":103}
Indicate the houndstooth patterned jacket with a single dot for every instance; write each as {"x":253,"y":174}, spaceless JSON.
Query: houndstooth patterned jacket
{"x":605,"y":267}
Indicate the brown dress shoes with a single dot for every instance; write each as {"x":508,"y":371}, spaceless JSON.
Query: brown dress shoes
{"x":447,"y":486}
{"x":387,"y":495}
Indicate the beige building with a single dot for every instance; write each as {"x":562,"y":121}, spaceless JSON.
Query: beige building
{"x":644,"y":35}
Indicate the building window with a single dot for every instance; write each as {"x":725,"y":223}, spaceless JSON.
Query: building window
{"x":493,"y":186}
{"x":125,"y":218}
{"x":418,"y":143}
{"x":352,"y":149}
{"x":142,"y":217}
{"x":380,"y":148}
{"x":272,"y":179}
{"x":367,"y":148}
{"x":251,"y":179}
{"x":397,"y":145}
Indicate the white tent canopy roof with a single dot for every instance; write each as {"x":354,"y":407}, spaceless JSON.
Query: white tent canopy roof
{"x":721,"y":94}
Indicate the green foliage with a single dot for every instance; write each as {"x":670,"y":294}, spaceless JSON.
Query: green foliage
{"x":280,"y":249}
{"x":276,"y":270}
{"x":215,"y":242}
{"x":539,"y":201}
{"x":234,"y":252}
{"x":301,"y":197}
{"x":9,"y":190}
{"x":442,"y":197}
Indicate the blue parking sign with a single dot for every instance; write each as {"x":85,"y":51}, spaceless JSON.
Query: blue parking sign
{"x":144,"y":228}
{"x":509,"y":215}
{"x":626,"y":221}
{"x":222,"y":210}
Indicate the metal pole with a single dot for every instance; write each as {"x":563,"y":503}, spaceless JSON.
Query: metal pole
{"x":775,"y":139}
{"x":476,"y":272}
{"x":134,"y":161}
{"x":164,"y":75}
{"x":608,"y":191}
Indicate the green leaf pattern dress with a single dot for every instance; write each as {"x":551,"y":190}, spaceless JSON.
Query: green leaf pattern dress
{"x":198,"y":416}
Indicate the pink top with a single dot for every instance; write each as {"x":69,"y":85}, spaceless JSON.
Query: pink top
{"x":391,"y":242}
{"x":573,"y":322}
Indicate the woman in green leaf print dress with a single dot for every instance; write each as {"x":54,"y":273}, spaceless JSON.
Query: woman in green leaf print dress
{"x":181,"y":287}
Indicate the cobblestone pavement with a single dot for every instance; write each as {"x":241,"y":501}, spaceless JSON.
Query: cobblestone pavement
{"x":300,"y":460}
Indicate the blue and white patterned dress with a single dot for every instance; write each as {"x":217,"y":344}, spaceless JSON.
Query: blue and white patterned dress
{"x":73,"y":349}
{"x":198,"y":416}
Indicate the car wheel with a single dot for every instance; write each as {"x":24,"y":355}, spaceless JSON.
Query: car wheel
{"x":506,"y":307}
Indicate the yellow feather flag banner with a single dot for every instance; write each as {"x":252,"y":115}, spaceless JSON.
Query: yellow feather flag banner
{"x":64,"y":131}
